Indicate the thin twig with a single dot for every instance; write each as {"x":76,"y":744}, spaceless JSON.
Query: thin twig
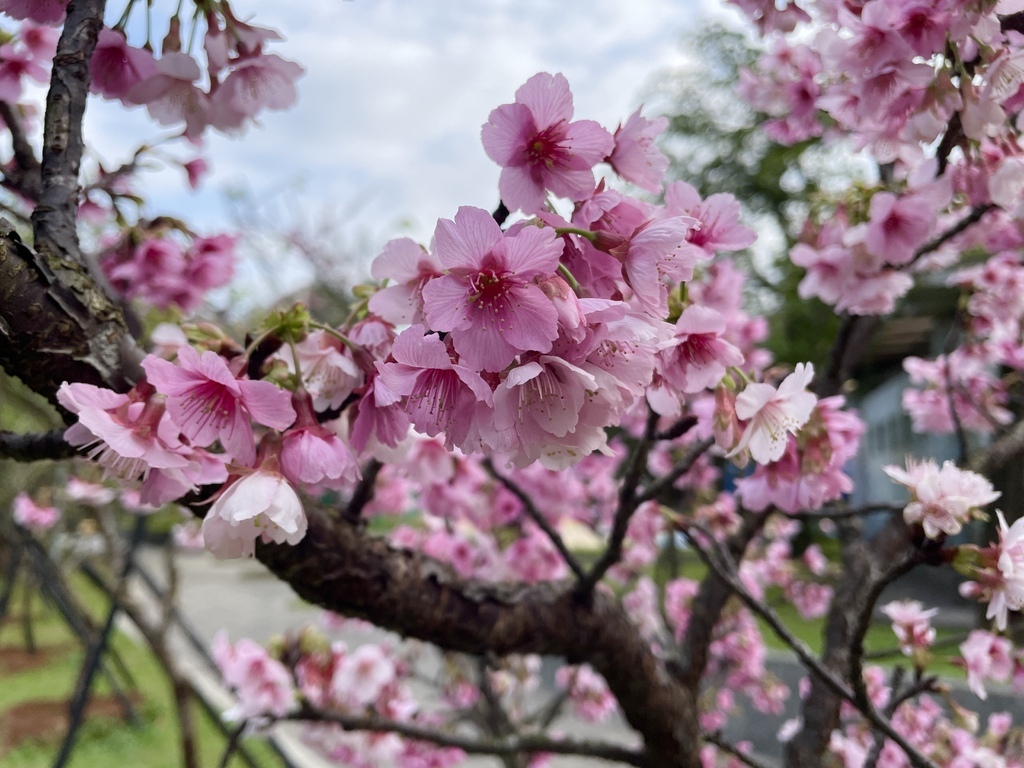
{"x":509,"y":745}
{"x":663,"y":483}
{"x":534,"y":514}
{"x":232,"y":745}
{"x":23,"y":172}
{"x":745,"y":758}
{"x":629,"y":501}
{"x":836,"y":513}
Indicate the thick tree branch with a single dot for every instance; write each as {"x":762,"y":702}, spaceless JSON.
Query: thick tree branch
{"x":36,"y":446}
{"x":340,"y":568}
{"x":511,"y":745}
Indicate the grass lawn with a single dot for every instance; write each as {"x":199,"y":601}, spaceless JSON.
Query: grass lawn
{"x":102,"y":741}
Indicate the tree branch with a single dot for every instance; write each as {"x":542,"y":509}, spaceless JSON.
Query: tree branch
{"x":339,"y":567}
{"x":36,"y":446}
{"x":22,"y":174}
{"x":507,"y":746}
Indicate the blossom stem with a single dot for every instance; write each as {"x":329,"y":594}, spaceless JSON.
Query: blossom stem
{"x":335,"y":333}
{"x":572,"y":281}
{"x":591,"y":236}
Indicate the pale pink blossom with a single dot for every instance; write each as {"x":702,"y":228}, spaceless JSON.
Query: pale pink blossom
{"x":772,"y":415}
{"x":537,"y":147}
{"x":312,"y":454}
{"x":171,"y":95}
{"x":911,"y":624}
{"x":440,"y":394}
{"x":127,"y":436}
{"x":943,"y":499}
{"x":410,"y":267}
{"x":35,"y":517}
{"x":361,"y":676}
{"x":93,"y":494}
{"x":259,"y":505}
{"x":636,"y":158}
{"x":263,"y":685}
{"x":697,"y":356}
{"x":255,"y":83}
{"x":986,"y":657}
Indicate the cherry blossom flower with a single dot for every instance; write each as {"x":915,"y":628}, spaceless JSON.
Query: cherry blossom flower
{"x":208,"y":402}
{"x":310,"y":453}
{"x":410,"y":267}
{"x":912,"y":624}
{"x":697,"y":356}
{"x":263,"y":685}
{"x":636,"y":158}
{"x":127,"y":436}
{"x":943,"y":499}
{"x":35,"y":517}
{"x":49,"y":12}
{"x":258,"y":505}
{"x":118,"y":67}
{"x":440,"y":394}
{"x":487,"y":299}
{"x":361,"y":676}
{"x":171,"y":96}
{"x":255,"y":83}
{"x":986,"y":657}
{"x":539,"y":149}
{"x":772,"y":415}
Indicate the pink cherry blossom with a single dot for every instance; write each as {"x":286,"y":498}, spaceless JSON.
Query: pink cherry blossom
{"x":50,"y":12}
{"x":35,"y":517}
{"x":697,"y":356}
{"x":263,"y":685}
{"x":410,"y":266}
{"x":118,"y":67}
{"x":636,"y":158}
{"x":772,"y":415}
{"x":912,"y":624}
{"x":255,"y":83}
{"x":126,"y":436}
{"x":208,"y":402}
{"x":440,"y":394}
{"x":361,"y":676}
{"x":487,"y":299}
{"x":537,"y":147}
{"x":943,"y":499}
{"x":171,"y":95}
{"x":986,"y":657}
{"x":15,"y":64}
{"x":259,"y":505}
{"x":310,"y":453}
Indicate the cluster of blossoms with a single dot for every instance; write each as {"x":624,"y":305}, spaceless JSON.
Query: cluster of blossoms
{"x":945,"y":498}
{"x":156,"y":270}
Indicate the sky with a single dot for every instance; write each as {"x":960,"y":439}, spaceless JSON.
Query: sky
{"x":385,"y":136}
